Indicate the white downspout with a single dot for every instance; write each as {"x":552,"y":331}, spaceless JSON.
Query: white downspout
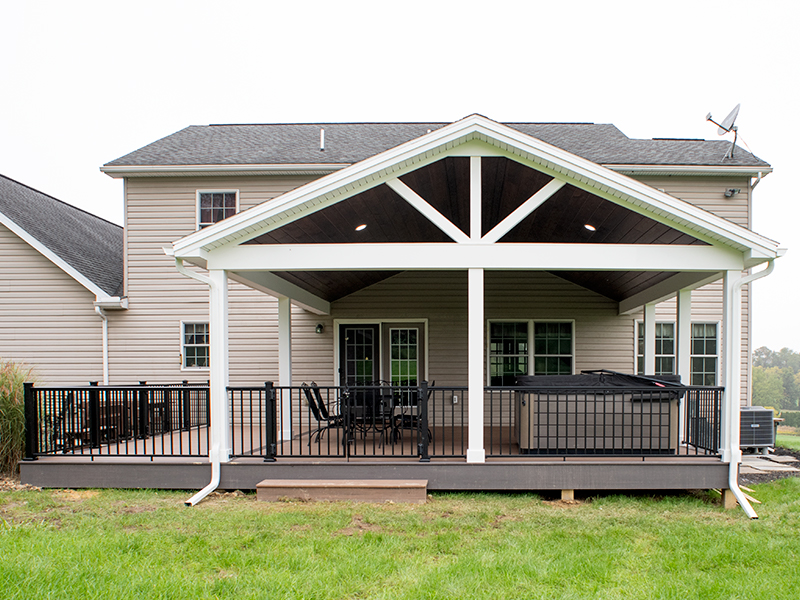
{"x":734,"y":450}
{"x":103,"y":316}
{"x":215,"y":447}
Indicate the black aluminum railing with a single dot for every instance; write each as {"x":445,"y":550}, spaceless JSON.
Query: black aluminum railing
{"x":136,"y":420}
{"x":272,"y":422}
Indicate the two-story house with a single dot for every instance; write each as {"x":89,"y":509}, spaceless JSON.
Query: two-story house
{"x":466,"y":254}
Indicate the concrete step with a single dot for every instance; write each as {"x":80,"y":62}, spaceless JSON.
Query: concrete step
{"x":356,"y":490}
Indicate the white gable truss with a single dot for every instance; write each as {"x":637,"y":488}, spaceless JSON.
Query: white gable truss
{"x":731,"y":247}
{"x":729,"y":250}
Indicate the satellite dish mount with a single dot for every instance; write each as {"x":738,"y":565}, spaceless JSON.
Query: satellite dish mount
{"x":727,"y":126}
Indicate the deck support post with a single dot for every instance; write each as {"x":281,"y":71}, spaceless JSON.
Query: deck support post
{"x":649,"y":340}
{"x":285,"y":365}
{"x":684,"y":335}
{"x":731,"y":362}
{"x":218,"y":351}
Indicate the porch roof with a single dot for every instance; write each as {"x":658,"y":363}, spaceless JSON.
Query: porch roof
{"x":682,"y":237}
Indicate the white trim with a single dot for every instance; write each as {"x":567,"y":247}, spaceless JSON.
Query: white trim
{"x":666,"y":290}
{"x":272,"y":284}
{"x":449,"y":256}
{"x":649,"y":339}
{"x":184,"y":368}
{"x":475,"y":199}
{"x":476,"y":453}
{"x":101,"y":296}
{"x":411,"y":155}
{"x":198,"y":223}
{"x":728,"y":171}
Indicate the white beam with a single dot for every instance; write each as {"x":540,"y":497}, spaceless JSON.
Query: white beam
{"x":285,"y":364}
{"x":272,"y":284}
{"x":475,"y":450}
{"x":581,"y":257}
{"x":218,"y":357}
{"x":527,"y":207}
{"x":649,"y":339}
{"x":666,"y":290}
{"x":430,"y":213}
{"x":475,"y":199}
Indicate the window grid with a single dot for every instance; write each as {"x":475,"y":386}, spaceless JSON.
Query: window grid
{"x":511,"y":354}
{"x":665,"y":349}
{"x":216,"y":206}
{"x":704,"y":354}
{"x":404,"y":363}
{"x":196,"y":347}
{"x":552,"y":348}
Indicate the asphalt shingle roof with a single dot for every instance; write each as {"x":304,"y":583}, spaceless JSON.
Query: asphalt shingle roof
{"x":347,"y":143}
{"x":89,"y":244}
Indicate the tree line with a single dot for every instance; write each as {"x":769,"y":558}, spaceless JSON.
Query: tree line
{"x":776,"y":378}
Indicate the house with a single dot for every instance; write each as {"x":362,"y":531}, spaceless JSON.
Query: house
{"x":60,"y":274}
{"x":467,"y":254}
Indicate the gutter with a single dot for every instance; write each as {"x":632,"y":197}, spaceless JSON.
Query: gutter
{"x":734,"y":449}
{"x":215,"y":448}
{"x":101,"y":313}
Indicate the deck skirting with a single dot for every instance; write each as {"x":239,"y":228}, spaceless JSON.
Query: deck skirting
{"x":503,"y":475}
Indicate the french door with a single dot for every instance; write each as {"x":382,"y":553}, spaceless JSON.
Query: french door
{"x":389,"y":352}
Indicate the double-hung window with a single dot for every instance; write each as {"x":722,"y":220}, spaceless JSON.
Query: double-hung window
{"x":529,"y":348}
{"x":215,"y":205}
{"x":665,"y":349}
{"x":195,"y":347}
{"x":704,"y":354}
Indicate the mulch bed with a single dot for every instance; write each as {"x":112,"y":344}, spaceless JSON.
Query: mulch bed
{"x":767,"y":476}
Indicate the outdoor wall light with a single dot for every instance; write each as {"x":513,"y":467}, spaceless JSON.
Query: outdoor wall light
{"x":320,"y":328}
{"x":730,"y":192}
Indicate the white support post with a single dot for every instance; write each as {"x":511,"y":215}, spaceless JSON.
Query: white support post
{"x":475,"y":450}
{"x":218,"y":356}
{"x":285,"y":365}
{"x":684,"y":341}
{"x":475,"y":200}
{"x":731,"y":346}
{"x":649,"y":339}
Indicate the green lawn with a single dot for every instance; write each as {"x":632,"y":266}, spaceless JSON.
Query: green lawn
{"x":147,"y":544}
{"x":790,"y":441}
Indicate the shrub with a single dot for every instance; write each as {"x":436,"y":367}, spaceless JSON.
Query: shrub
{"x":791,"y":418}
{"x":12,"y":414}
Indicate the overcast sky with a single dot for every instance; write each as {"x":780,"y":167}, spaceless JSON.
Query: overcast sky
{"x":82,"y":83}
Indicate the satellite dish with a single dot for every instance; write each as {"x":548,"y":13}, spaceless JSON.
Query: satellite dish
{"x":727,"y":126}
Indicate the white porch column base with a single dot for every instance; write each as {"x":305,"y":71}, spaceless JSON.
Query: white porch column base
{"x":218,"y":357}
{"x":285,"y":365}
{"x":475,"y":449}
{"x":649,"y":339}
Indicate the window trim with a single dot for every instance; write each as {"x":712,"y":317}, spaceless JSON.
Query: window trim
{"x":716,"y":356}
{"x":531,"y":323}
{"x":198,"y":224}
{"x":183,"y":346}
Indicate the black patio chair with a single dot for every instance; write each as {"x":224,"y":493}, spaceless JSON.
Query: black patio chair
{"x":325,"y":420}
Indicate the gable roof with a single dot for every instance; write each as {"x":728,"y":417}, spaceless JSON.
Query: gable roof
{"x":85,"y":246}
{"x":347,"y":143}
{"x":412,"y":154}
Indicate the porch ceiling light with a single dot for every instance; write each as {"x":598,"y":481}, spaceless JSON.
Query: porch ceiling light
{"x":361,"y":227}
{"x":590,"y":227}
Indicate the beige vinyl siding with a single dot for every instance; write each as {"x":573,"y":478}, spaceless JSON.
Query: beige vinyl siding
{"x":47,"y":319}
{"x":709,"y":193}
{"x":147,"y":341}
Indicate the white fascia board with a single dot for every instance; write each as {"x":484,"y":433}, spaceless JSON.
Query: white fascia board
{"x":101,"y":295}
{"x":430,"y":147}
{"x":269,"y":283}
{"x":666,"y":290}
{"x":400,"y":257}
{"x":714,"y":170}
{"x":118,"y":172}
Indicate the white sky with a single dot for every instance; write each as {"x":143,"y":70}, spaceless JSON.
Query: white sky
{"x":84,"y":82}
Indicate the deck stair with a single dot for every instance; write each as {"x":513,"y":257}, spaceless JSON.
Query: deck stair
{"x":356,"y":490}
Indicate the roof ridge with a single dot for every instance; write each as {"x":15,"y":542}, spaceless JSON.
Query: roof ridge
{"x":67,"y":204}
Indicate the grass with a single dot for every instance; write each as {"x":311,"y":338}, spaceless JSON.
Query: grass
{"x":788,"y":440}
{"x":147,"y":544}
